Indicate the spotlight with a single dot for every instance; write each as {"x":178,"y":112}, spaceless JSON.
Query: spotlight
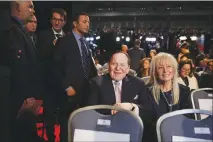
{"x":98,"y":37}
{"x":141,"y":37}
{"x":87,"y":39}
{"x":122,"y":37}
{"x":127,"y":39}
{"x":193,"y":38}
{"x":118,"y":39}
{"x":91,"y":38}
{"x":183,"y":38}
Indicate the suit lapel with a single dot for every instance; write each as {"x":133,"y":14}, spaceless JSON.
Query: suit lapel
{"x":29,"y":41}
{"x":126,"y":90}
{"x":108,"y":90}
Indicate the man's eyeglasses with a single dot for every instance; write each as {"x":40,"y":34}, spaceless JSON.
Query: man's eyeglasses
{"x":188,"y":70}
{"x":59,"y":20}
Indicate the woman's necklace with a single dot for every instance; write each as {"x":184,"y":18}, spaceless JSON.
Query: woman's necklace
{"x":169,"y":104}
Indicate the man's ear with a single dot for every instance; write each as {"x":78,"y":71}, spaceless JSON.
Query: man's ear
{"x":17,"y":6}
{"x":74,"y":23}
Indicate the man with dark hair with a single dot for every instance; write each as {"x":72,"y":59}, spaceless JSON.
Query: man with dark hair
{"x":73,"y":67}
{"x":46,"y":47}
{"x":136,"y":54}
{"x":19,"y":59}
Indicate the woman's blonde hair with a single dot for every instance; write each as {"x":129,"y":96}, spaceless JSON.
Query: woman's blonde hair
{"x":155,"y":82}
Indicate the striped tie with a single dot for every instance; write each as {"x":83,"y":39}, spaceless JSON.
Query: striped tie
{"x":85,"y":59}
{"x":117,"y":92}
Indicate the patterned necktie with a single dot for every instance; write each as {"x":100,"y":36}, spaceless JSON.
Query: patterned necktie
{"x":58,"y":35}
{"x":117,"y":92}
{"x":85,"y":59}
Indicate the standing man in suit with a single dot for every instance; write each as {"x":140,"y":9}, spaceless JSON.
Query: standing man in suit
{"x":19,"y":56}
{"x":46,"y":47}
{"x":117,"y":87}
{"x":74,"y":68}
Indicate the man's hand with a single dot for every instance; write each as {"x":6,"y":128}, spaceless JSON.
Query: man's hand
{"x":127,"y":106}
{"x":70,"y":91}
{"x":30,"y":102}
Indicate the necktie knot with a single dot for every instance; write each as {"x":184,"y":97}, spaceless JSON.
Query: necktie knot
{"x":58,"y":35}
{"x":117,"y":83}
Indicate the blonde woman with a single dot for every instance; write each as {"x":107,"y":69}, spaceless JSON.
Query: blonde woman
{"x":165,"y":93}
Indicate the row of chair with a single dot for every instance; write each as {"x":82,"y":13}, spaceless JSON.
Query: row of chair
{"x":86,"y":124}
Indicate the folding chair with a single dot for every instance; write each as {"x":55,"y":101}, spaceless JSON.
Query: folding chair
{"x":145,"y":79}
{"x":90,"y":125}
{"x":202,"y":99}
{"x":174,"y":126}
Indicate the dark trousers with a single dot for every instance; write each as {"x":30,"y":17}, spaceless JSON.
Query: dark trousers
{"x":64,"y":112}
{"x":24,"y":128}
{"x":50,"y":105}
{"x":5,"y":104}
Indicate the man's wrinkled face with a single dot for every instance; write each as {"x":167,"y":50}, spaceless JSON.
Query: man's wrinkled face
{"x":118,"y":66}
{"x":26,"y":10}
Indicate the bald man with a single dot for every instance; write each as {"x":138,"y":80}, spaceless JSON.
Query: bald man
{"x":124,"y":48}
{"x":19,"y":56}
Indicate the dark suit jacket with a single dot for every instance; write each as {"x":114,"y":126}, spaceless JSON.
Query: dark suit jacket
{"x":18,"y":54}
{"x":68,"y":67}
{"x":102,"y":91}
{"x":152,"y":111}
{"x":46,"y":49}
{"x":45,"y":44}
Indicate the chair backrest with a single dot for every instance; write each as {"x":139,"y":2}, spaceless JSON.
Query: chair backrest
{"x":202,"y":99}
{"x":125,"y":124}
{"x":175,"y":125}
{"x":145,"y":79}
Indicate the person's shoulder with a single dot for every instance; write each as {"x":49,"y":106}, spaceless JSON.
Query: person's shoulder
{"x":134,"y":78}
{"x":100,"y":79}
{"x":183,"y":88}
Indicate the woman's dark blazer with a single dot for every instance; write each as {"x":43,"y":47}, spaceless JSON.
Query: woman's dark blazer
{"x":152,"y":111}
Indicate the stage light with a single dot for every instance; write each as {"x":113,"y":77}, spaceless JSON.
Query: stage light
{"x":87,"y":39}
{"x":141,"y":37}
{"x":161,"y":37}
{"x":193,"y":38}
{"x":98,"y":37}
{"x":127,"y":39}
{"x":183,"y":38}
{"x":122,"y":37}
{"x":152,"y":39}
{"x":91,"y":38}
{"x":118,"y":39}
{"x":94,"y":45}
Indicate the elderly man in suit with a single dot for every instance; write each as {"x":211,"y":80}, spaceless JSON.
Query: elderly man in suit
{"x":73,"y":67}
{"x":117,"y":87}
{"x":20,"y":60}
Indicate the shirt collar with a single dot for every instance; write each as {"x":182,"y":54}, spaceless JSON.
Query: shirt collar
{"x":77,"y":36}
{"x":120,"y":82}
{"x":18,"y":20}
{"x":61,"y":32}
